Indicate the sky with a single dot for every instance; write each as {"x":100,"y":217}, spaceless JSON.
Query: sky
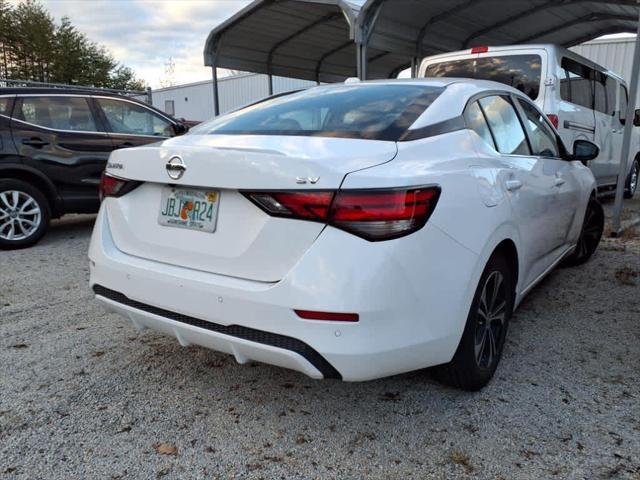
{"x":143,"y":34}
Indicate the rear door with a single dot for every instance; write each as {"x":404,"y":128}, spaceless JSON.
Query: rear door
{"x":604,"y":166}
{"x":60,"y":136}
{"x":531,"y":184}
{"x":131,"y":124}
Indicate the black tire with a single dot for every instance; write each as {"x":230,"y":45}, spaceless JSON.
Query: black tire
{"x":590,"y":235}
{"x":475,"y":361}
{"x":632,"y":180}
{"x":30,"y":198}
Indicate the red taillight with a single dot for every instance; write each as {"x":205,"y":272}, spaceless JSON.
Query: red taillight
{"x":330,"y":316}
{"x":115,"y":187}
{"x":482,"y":49}
{"x":554,"y":120}
{"x":370,"y":214}
{"x":302,"y":205}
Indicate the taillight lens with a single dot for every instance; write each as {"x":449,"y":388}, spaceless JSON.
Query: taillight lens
{"x":115,"y":187}
{"x":375,"y":215}
{"x":554,"y":120}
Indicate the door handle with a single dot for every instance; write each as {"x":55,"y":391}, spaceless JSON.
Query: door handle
{"x":124,"y":145}
{"x":559,"y":181}
{"x":34,"y":142}
{"x":513,"y":185}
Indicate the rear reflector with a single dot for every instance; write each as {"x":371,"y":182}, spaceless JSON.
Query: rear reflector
{"x":553,"y":119}
{"x":379,"y":214}
{"x":480,"y":49}
{"x":115,"y":187}
{"x":330,"y":316}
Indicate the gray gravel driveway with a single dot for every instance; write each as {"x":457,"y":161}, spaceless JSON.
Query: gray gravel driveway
{"x":83,"y":395}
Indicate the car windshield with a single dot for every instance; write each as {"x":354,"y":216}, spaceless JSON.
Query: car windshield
{"x":368,"y":111}
{"x":518,"y":71}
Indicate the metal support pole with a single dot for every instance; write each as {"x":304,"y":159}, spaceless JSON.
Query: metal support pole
{"x":270,"y":78}
{"x":362,"y":61}
{"x":414,"y":67}
{"x":149,"y":96}
{"x":216,"y":103}
{"x":626,"y":138}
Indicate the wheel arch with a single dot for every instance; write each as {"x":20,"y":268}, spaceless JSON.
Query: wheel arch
{"x":507,"y":248}
{"x":38,"y":180}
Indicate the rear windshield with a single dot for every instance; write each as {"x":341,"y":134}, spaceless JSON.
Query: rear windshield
{"x":368,"y":111}
{"x":518,"y":71}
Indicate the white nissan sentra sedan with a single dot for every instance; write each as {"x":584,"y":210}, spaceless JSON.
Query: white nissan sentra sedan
{"x":349,"y":231}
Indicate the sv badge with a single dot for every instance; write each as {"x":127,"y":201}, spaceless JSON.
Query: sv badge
{"x":304,"y":180}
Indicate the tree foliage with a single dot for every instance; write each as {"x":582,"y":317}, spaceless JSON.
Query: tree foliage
{"x":34,"y":47}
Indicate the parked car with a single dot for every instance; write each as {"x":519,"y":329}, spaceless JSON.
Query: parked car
{"x":348,"y":231}
{"x":54,"y":144}
{"x":581,"y":98}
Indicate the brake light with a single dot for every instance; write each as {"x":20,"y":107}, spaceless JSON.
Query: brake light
{"x":115,"y":187}
{"x":482,"y":49}
{"x":554,"y":120}
{"x":374,"y":215}
{"x":330,"y":316}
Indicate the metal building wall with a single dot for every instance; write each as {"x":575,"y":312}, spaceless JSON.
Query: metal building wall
{"x":194,"y":101}
{"x":614,"y":54}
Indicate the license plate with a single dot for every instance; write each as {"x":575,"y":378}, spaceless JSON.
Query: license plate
{"x":189,"y":208}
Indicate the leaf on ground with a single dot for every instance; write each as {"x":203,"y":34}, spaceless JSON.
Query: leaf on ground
{"x":20,"y":345}
{"x":165,"y":449}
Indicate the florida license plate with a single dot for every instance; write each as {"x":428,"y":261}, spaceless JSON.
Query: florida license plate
{"x":192,"y":209}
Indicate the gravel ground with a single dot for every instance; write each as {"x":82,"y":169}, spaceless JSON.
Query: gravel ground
{"x":83,"y":395}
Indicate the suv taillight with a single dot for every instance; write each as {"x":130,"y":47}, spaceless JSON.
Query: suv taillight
{"x":378,"y":214}
{"x":111,"y":186}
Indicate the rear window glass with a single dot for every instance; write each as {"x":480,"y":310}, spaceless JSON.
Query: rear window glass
{"x":519,"y":71}
{"x":370,"y":111}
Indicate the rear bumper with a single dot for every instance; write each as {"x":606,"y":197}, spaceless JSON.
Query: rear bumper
{"x":243,"y":343}
{"x":412,"y":304}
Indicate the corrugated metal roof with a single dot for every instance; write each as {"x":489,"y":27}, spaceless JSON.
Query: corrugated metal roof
{"x":317,"y":39}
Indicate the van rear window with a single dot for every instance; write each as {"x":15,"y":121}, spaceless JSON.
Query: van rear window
{"x":519,"y":71}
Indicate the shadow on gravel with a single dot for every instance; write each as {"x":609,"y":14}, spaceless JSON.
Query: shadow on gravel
{"x":68,"y":227}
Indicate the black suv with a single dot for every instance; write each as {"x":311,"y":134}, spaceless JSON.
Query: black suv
{"x":54,"y":144}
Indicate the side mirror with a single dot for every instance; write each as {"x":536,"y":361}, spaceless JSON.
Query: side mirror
{"x":180,"y":128}
{"x":636,"y":118}
{"x":584,"y":150}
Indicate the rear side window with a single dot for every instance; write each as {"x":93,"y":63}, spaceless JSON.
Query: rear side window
{"x":519,"y":71}
{"x":59,"y":113}
{"x":577,"y":86}
{"x":505,"y":125}
{"x":543,"y":140}
{"x":475,"y":121}
{"x":624,"y":99}
{"x":611,"y":89}
{"x":131,"y":118}
{"x":4,"y":106}
{"x":369,"y":111}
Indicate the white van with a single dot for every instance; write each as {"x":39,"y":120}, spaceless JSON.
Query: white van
{"x":582,"y":99}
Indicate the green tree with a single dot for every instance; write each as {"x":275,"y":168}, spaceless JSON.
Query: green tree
{"x":33,"y":47}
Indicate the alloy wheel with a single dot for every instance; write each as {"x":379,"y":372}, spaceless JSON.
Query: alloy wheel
{"x":20,"y":215}
{"x":633,"y":181}
{"x":591,"y":233}
{"x":490,"y":320}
